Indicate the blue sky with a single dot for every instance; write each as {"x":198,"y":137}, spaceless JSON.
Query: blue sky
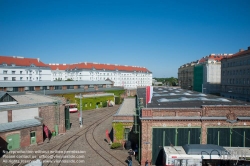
{"x":160,"y":35}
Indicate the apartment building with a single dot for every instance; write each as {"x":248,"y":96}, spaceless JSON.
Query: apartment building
{"x":186,"y":75}
{"x":235,"y":76}
{"x":121,"y":75}
{"x":207,"y":74}
{"x":15,"y":68}
{"x":202,"y":75}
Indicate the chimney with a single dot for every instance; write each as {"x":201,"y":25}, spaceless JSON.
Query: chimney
{"x":241,"y":50}
{"x":38,"y":59}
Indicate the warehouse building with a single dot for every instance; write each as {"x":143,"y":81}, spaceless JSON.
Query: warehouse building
{"x":176,"y":117}
{"x":22,"y":118}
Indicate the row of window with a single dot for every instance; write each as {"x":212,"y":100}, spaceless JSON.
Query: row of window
{"x":21,"y":72}
{"x":240,"y":81}
{"x":237,"y":72}
{"x":21,"y":78}
{"x":237,"y":63}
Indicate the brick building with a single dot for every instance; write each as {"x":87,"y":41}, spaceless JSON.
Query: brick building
{"x":22,"y":118}
{"x":176,"y":117}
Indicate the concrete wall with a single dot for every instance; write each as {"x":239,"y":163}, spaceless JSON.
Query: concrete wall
{"x":4,"y":117}
{"x":24,"y":114}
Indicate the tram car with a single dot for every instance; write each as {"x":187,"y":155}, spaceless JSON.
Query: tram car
{"x":72,"y":107}
{"x":205,"y":154}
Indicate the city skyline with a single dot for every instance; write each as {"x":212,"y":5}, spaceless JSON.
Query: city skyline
{"x":160,"y":36}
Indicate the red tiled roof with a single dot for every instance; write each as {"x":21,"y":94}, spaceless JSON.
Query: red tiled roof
{"x":240,"y":53}
{"x":214,"y":57}
{"x":59,"y":66}
{"x":21,"y":61}
{"x":97,"y":66}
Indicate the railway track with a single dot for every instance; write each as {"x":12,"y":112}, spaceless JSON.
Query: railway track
{"x":67,"y":143}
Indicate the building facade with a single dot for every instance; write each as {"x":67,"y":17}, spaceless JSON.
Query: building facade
{"x":207,"y":74}
{"x":23,"y":69}
{"x":186,"y":75}
{"x":202,"y":75}
{"x":29,"y":69}
{"x":121,"y":75}
{"x":235,"y":76}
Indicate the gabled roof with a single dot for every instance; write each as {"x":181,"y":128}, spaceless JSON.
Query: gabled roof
{"x":97,"y":66}
{"x":21,"y":61}
{"x":6,"y":98}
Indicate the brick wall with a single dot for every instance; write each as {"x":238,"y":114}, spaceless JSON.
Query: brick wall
{"x":9,"y":115}
{"x":48,"y":113}
{"x":24,"y":136}
{"x":211,"y":111}
{"x":37,"y":88}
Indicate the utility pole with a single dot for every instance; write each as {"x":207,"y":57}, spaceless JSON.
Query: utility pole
{"x":80,"y":110}
{"x":80,"y":116}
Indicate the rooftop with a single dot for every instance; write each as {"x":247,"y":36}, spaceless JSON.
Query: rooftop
{"x":127,"y":107}
{"x":19,"y":125}
{"x":50,"y":83}
{"x":30,"y":100}
{"x":175,"y":97}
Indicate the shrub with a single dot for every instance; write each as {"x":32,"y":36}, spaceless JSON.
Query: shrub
{"x":115,"y":145}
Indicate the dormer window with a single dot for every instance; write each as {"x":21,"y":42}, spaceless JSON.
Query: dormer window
{"x":13,"y":64}
{"x":32,"y":65}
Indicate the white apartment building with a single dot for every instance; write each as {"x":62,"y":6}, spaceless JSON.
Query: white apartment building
{"x":122,"y":75}
{"x":14,"y":68}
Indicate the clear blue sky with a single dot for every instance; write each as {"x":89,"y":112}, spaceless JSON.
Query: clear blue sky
{"x":160,"y":35}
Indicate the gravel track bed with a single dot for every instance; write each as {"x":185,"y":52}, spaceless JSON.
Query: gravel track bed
{"x":67,"y":142}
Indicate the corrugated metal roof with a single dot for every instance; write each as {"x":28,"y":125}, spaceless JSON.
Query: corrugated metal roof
{"x":50,"y":83}
{"x":19,"y":125}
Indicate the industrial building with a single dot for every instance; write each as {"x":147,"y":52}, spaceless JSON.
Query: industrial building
{"x":45,"y":86}
{"x":22,"y":118}
{"x":235,"y":76}
{"x":176,"y":117}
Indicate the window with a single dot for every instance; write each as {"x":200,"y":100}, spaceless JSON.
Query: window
{"x":13,"y":72}
{"x":5,"y":78}
{"x":5,"y":72}
{"x":21,"y":72}
{"x":21,"y":78}
{"x":13,"y":78}
{"x":126,"y":133}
